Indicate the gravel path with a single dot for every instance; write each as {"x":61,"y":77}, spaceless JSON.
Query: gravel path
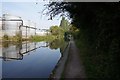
{"x":74,"y":67}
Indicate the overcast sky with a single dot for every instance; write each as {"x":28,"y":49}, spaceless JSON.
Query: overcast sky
{"x":30,"y":11}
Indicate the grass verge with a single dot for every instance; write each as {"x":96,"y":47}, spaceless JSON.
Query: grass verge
{"x":98,"y":63}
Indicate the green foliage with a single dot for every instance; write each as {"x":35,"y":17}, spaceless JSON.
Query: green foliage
{"x":16,"y":38}
{"x":64,"y":24}
{"x":55,"y":30}
{"x":5,"y":44}
{"x":5,"y":37}
{"x":74,"y":31}
{"x":98,"y":39}
{"x":98,"y":63}
{"x":42,"y":38}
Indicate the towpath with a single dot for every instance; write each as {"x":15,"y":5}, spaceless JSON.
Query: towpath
{"x":74,"y":67}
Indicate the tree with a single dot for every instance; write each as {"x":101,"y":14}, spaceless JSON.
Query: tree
{"x":99,"y":29}
{"x":98,"y":22}
{"x":55,"y":30}
{"x":64,"y":24}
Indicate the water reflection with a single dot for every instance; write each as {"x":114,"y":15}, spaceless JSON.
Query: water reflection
{"x":16,"y":51}
{"x":58,"y":43}
{"x":30,"y":59}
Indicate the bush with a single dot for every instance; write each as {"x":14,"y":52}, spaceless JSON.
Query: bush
{"x":42,"y":38}
{"x":5,"y":37}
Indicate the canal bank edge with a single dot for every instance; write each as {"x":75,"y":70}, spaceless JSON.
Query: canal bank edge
{"x":58,"y":70}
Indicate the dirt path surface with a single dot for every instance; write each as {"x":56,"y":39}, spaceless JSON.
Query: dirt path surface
{"x":74,"y":67}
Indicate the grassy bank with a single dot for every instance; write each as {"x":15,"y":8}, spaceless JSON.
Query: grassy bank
{"x":35,"y":38}
{"x":16,"y":38}
{"x":98,"y":63}
{"x":44,"y":38}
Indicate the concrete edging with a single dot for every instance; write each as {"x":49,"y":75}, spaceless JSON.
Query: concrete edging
{"x":58,"y":70}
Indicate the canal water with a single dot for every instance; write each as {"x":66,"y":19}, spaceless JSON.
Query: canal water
{"x":30,"y":59}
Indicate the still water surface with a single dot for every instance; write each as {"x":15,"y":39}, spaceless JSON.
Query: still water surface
{"x":29,"y":59}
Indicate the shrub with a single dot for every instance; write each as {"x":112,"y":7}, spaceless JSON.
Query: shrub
{"x":5,"y":37}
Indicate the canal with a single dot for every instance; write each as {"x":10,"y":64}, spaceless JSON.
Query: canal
{"x":30,"y":59}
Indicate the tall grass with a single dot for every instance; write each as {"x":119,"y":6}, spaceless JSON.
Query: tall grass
{"x":38,"y":38}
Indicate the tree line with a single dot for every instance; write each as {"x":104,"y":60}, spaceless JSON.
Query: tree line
{"x":61,"y":29}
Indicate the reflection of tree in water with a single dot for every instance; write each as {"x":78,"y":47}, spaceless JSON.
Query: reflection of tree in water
{"x":5,"y":44}
{"x":55,"y":44}
{"x":18,"y":46}
{"x":15,"y":50}
{"x":15,"y":47}
{"x":58,"y":43}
